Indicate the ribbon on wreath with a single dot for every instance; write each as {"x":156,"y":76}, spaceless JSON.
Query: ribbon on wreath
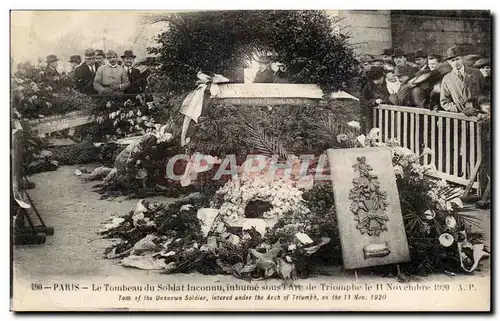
{"x":192,"y":105}
{"x":470,"y":254}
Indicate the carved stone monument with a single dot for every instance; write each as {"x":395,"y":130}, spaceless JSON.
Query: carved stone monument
{"x":368,"y":210}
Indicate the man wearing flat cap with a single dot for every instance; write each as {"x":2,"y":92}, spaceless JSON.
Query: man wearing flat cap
{"x":461,"y":87}
{"x":85,"y":73}
{"x":484,"y":67}
{"x":137,"y":80}
{"x":111,"y":78}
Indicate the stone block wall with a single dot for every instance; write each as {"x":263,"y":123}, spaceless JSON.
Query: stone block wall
{"x":370,"y":29}
{"x":472,"y":34}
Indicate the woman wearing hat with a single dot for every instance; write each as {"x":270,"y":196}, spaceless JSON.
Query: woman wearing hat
{"x":374,"y":93}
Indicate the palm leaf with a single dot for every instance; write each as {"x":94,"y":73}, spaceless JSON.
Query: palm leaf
{"x":329,"y":128}
{"x":469,"y":219}
{"x":265,"y":144}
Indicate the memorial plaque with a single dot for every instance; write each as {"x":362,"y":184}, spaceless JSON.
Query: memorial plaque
{"x":52,"y":124}
{"x":368,"y":208}
{"x":274,"y":94}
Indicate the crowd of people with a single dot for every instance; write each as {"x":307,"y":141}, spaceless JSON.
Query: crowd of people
{"x":455,"y":83}
{"x":99,"y":73}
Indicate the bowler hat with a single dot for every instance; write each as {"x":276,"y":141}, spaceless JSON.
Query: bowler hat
{"x":76,"y":59}
{"x":52,"y":58}
{"x":482,"y":62}
{"x":101,"y":53}
{"x":128,"y":54}
{"x":398,"y":53}
{"x":89,"y":53}
{"x":420,"y":53}
{"x":387,"y":52}
{"x":404,"y":70}
{"x":451,"y":53}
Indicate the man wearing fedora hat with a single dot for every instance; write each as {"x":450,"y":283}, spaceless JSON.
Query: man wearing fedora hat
{"x":75,"y":61}
{"x":50,"y":75}
{"x":399,"y":57}
{"x":85,"y":73}
{"x":387,"y":55}
{"x":110,"y":78}
{"x":461,"y":87}
{"x":137,"y":80}
{"x":421,"y":59}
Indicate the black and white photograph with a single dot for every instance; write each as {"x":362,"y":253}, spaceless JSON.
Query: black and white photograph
{"x":250,"y":160}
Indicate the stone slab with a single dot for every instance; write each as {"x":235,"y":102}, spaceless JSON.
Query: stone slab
{"x":363,"y":250}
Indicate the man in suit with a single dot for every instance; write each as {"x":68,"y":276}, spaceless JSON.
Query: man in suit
{"x":484,"y":67}
{"x":421,"y":60}
{"x":387,"y":55}
{"x":100,"y":58}
{"x":50,"y":75}
{"x":461,"y":87}
{"x":136,"y":78}
{"x":85,"y":73}
{"x":404,"y":95}
{"x":265,"y":74}
{"x":75,"y":61}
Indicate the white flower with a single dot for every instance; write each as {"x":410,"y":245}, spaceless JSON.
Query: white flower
{"x":446,"y":239}
{"x":430,"y":214}
{"x":361,"y":139}
{"x":451,"y":222}
{"x":426,"y":151}
{"x":374,"y":133}
{"x":458,"y":202}
{"x":398,"y":170}
{"x":442,"y":183}
{"x":354,"y":124}
{"x":185,"y":207}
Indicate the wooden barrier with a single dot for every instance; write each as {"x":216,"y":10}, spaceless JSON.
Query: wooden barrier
{"x":455,"y":139}
{"x":56,"y":123}
{"x":30,"y":233}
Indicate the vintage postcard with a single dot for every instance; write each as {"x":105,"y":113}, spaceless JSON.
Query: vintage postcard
{"x":251,"y":160}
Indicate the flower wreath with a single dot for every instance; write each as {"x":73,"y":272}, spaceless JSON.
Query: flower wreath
{"x":283,"y":195}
